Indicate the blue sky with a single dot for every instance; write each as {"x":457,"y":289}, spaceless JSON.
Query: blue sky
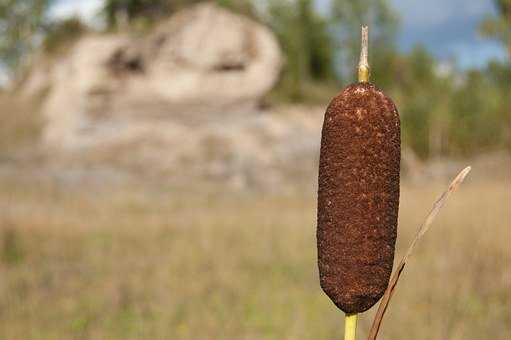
{"x":448,"y":28}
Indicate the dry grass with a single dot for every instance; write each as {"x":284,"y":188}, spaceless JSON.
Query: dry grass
{"x":130,"y":264}
{"x":20,"y":123}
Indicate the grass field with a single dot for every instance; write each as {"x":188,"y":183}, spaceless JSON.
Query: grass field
{"x":127,"y":263}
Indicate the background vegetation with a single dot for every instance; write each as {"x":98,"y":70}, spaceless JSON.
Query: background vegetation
{"x":127,"y":263}
{"x":446,"y":111}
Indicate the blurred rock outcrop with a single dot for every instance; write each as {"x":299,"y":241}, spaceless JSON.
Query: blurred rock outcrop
{"x":204,"y":61}
{"x":182,"y":100}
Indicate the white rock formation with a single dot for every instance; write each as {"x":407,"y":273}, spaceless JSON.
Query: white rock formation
{"x":180,"y":102}
{"x":202,"y":64}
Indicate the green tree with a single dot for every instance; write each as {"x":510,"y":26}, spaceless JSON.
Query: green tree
{"x":496,"y":96}
{"x":245,"y":7}
{"x":347,"y":16}
{"x":414,"y":79}
{"x":498,"y":75}
{"x":423,"y":96}
{"x":21,"y":22}
{"x":306,"y":41}
{"x":475,"y":115}
{"x":61,"y":34}
{"x":499,"y":26}
{"x":119,"y":12}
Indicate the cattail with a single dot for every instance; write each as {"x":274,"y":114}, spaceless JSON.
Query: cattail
{"x":358,"y":194}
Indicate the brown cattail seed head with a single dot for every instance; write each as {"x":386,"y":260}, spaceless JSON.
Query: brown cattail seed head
{"x":358,"y":196}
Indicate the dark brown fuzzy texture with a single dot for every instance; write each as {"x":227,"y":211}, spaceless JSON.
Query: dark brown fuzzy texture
{"x":358,"y":196}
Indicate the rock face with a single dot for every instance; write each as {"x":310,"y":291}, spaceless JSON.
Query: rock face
{"x":180,"y":102}
{"x":202,"y":64}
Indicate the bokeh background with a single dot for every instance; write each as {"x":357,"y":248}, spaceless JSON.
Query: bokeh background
{"x":158,"y":164}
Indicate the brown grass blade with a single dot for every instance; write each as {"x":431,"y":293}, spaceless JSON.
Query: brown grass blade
{"x":440,"y":202}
